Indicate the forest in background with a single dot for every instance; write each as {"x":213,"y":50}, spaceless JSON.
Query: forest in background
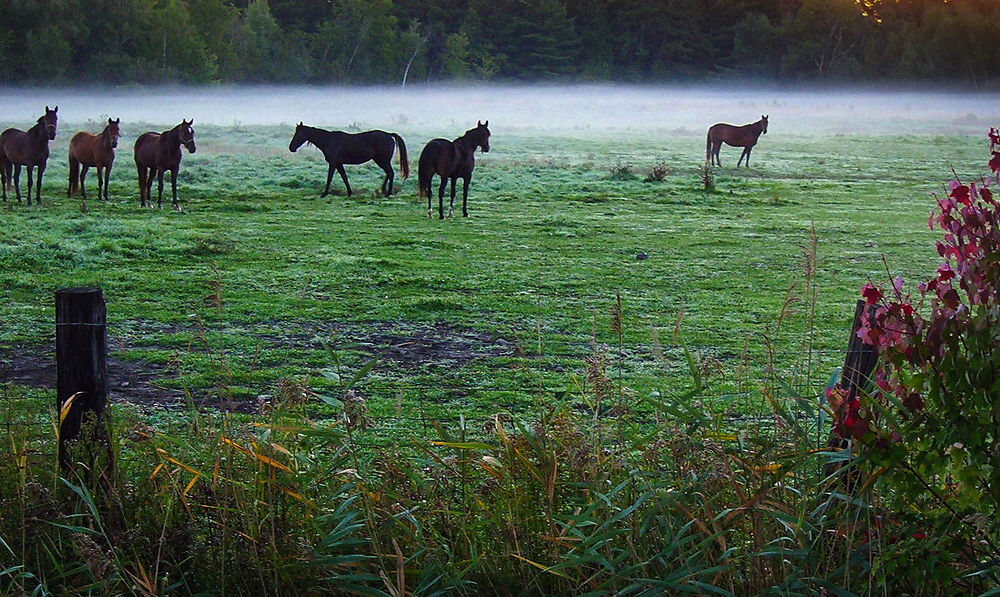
{"x":383,"y":41}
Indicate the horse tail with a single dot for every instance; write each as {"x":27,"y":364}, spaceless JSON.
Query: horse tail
{"x":74,"y":176}
{"x":708,"y":145}
{"x":404,"y":162}
{"x":424,"y":175}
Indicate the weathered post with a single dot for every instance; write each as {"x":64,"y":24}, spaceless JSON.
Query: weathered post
{"x":859,"y":362}
{"x":81,"y":375}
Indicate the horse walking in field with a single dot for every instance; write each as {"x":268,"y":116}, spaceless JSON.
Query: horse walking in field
{"x":86,"y":150}
{"x":341,"y":148}
{"x":31,"y":149}
{"x":155,"y":153}
{"x":735,"y":136}
{"x":451,"y":160}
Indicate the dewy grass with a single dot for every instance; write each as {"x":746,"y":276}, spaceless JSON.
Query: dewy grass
{"x":519,"y":430}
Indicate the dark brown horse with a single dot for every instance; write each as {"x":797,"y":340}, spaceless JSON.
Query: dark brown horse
{"x":341,"y":148}
{"x":86,"y":150}
{"x":155,"y":153}
{"x":735,"y":136}
{"x":31,"y":149}
{"x":451,"y":160}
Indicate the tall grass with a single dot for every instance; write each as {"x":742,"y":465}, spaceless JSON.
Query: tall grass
{"x":598,"y":492}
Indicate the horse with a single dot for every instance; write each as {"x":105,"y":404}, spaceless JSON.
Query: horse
{"x":86,"y":150}
{"x":155,"y":153}
{"x":341,"y":148}
{"x":451,"y":160}
{"x":31,"y":149}
{"x":735,"y":136}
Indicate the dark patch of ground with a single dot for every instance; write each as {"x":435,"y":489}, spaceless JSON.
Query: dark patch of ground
{"x":128,"y":380}
{"x":396,"y":346}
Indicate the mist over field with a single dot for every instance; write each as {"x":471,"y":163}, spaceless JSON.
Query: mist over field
{"x":575,"y":110}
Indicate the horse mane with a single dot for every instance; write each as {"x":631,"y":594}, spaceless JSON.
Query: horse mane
{"x":39,"y":126}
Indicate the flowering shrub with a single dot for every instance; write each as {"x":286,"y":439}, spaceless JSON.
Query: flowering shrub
{"x":938,"y":380}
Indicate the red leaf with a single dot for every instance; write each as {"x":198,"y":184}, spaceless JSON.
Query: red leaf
{"x":995,"y":162}
{"x":872,"y":295}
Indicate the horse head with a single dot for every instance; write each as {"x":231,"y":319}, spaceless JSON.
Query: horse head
{"x":763,"y":125}
{"x":186,"y":134}
{"x":112,"y":132}
{"x":299,"y":137}
{"x":49,"y":121}
{"x":482,"y":137}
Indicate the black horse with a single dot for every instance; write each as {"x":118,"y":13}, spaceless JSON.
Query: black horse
{"x":451,"y":160}
{"x":341,"y":148}
{"x":31,"y":149}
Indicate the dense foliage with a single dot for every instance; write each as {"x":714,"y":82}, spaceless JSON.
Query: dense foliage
{"x":932,"y":418}
{"x":381,"y":41}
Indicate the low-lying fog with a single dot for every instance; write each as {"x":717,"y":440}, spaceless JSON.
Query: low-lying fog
{"x":571,"y":110}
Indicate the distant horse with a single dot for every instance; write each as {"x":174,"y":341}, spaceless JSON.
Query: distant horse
{"x":341,"y":148}
{"x":735,"y":136}
{"x":88,"y":150}
{"x":451,"y":160}
{"x":155,"y":153}
{"x":19,"y":148}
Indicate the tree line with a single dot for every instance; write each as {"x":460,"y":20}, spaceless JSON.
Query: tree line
{"x":398,"y":41}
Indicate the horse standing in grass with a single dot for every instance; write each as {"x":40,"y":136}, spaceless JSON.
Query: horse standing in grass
{"x":735,"y":136}
{"x":155,"y":153}
{"x":341,"y":148}
{"x":86,"y":150}
{"x":451,"y":160}
{"x":31,"y":149}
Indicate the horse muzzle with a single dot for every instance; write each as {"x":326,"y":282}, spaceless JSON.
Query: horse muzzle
{"x":190,"y":146}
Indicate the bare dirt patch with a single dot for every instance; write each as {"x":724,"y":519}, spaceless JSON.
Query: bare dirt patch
{"x":399,"y":347}
{"x":128,"y":381}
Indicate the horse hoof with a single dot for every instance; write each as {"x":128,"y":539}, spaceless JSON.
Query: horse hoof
{"x":451,"y":212}
{"x":430,"y":214}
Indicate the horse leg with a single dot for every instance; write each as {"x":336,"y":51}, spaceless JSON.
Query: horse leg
{"x":83,"y":181}
{"x":159,"y":189}
{"x":141,"y":170}
{"x":329,"y":177}
{"x":343,"y":175}
{"x":173,"y":187}
{"x":430,"y":194}
{"x":387,"y":181}
{"x":465,"y":196}
{"x":444,"y":183}
{"x":451,"y":206}
{"x":749,"y":149}
{"x":17,"y":181}
{"x":716,"y":146}
{"x":38,"y":184}
{"x":746,"y":155}
{"x":107,"y":179}
{"x":30,"y":168}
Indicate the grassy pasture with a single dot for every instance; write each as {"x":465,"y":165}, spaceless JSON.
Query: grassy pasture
{"x":470,"y":315}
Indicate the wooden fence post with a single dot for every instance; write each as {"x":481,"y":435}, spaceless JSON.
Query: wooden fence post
{"x":859,"y":363}
{"x":81,"y":376}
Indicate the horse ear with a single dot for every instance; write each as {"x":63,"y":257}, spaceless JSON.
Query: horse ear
{"x":300,"y":123}
{"x":118,"y":120}
{"x":47,"y":108}
{"x":191,"y":122}
{"x":479,"y":123}
{"x":487,"y":123}
{"x":56,"y":109}
{"x":110,"y":121}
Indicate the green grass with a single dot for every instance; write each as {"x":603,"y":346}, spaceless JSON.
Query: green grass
{"x":260,"y":293}
{"x":557,"y":230}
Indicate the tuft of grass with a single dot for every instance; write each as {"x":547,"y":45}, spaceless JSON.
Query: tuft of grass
{"x":658,"y":173}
